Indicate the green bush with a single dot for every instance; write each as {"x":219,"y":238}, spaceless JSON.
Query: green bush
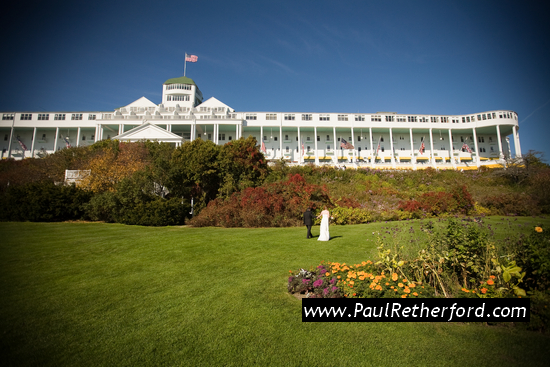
{"x":43,"y":201}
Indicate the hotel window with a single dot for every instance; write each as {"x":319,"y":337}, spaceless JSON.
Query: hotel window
{"x":468,"y":118}
{"x":177,"y":97}
{"x":324,"y":117}
{"x":462,"y":139}
{"x":358,"y":138}
{"x":375,"y":118}
{"x":382,"y":149}
{"x":488,"y":116}
{"x":26,"y":116}
{"x":286,"y":137}
{"x":492,"y":149}
{"x":412,"y":119}
{"x":389,"y":119}
{"x":478,"y":117}
{"x":250,"y":116}
{"x":221,"y":136}
{"x":271,"y":116}
{"x":484,"y":117}
{"x":91,"y":117}
{"x":83,"y":137}
{"x":328,"y":138}
{"x":43,"y":116}
{"x":92,"y":137}
{"x":76,"y":116}
{"x":463,"y":119}
{"x":265,"y":137}
{"x":106,"y":116}
{"x":308,"y":138}
{"x":6,"y":137}
{"x":178,"y":86}
{"x":328,"y":148}
{"x":7,"y":116}
{"x":342,"y":117}
{"x":434,"y":119}
{"x":209,"y":136}
{"x":444,"y":119}
{"x":494,"y":115}
{"x":401,"y":138}
{"x":287,"y":150}
{"x":423,"y":119}
{"x":480,"y":139}
{"x":308,"y":149}
{"x":490,"y":139}
{"x":289,"y":116}
{"x":306,"y":117}
{"x":381,"y":138}
{"x":296,"y":138}
{"x":318,"y":138}
{"x":359,"y":117}
{"x":275,"y":139}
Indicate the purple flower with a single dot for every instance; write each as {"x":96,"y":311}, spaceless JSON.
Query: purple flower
{"x":332,"y":281}
{"x":334,"y":289}
{"x":325,"y":291}
{"x":305,"y":281}
{"x":318,"y":283}
{"x":290,"y":279}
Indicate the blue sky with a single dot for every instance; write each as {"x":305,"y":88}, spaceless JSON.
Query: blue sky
{"x":428,"y":57}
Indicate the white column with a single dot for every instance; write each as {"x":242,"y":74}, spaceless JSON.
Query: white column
{"x":33,"y":141}
{"x":11,"y":138}
{"x":475,"y":143}
{"x":96,"y":135}
{"x":517,"y":145}
{"x":432,"y":148}
{"x":353,"y":141}
{"x":413,"y":158}
{"x":391,"y":148}
{"x":300,"y":157}
{"x":78,"y":137}
{"x":335,"y":157}
{"x":217,"y":128}
{"x":169,"y":127}
{"x":372,"y":157}
{"x":452,"y":154}
{"x":55,"y":140}
{"x":500,"y":153}
{"x":281,"y":140}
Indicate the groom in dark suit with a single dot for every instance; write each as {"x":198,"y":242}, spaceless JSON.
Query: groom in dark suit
{"x":308,"y":221}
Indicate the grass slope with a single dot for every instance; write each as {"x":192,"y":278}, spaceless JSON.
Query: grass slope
{"x":78,"y":294}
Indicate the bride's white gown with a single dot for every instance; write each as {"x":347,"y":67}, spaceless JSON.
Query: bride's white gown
{"x":324,"y":235}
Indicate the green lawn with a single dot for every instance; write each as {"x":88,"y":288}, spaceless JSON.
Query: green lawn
{"x":78,"y":294}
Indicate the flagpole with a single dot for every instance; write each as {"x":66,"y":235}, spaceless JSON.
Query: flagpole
{"x":184,"y":63}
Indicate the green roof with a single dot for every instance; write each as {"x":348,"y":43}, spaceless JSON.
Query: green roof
{"x":180,"y":80}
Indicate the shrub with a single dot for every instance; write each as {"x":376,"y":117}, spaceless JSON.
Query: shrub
{"x":43,"y":202}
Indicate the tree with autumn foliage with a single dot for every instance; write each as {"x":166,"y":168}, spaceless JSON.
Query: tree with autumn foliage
{"x":113,"y":163}
{"x":242,"y":165}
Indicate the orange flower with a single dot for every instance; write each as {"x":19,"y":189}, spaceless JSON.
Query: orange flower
{"x":490,"y":282}
{"x":404,"y":296}
{"x":400,"y":285}
{"x":391,"y":287}
{"x":465,"y":290}
{"x":378,"y":287}
{"x":483,"y":290}
{"x":492,"y":277}
{"x":412,"y":285}
{"x":538,"y":229}
{"x":407,"y":290}
{"x":351,"y":282}
{"x":327,"y":274}
{"x":394,"y":277}
{"x":387,"y":283}
{"x":415,"y":294}
{"x":355,"y":294}
{"x":395,"y":290}
{"x":404,"y":280}
{"x":290,"y":271}
{"x":338,"y":276}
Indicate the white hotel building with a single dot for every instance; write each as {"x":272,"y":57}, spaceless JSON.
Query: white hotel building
{"x":380,"y":140}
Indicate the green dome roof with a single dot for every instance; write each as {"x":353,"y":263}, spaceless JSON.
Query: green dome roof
{"x":180,"y":80}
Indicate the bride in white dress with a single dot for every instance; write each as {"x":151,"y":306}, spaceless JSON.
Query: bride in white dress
{"x":324,"y":234}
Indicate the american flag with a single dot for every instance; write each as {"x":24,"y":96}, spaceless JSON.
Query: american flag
{"x":422,"y":147}
{"x":378,"y":148}
{"x":263,"y":147}
{"x":191,"y":58}
{"x":345,"y":145}
{"x":302,"y":147}
{"x":67,"y":144}
{"x":21,"y":143}
{"x":465,"y":146}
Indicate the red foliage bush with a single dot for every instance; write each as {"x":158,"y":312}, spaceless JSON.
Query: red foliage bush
{"x":436,"y":203}
{"x":272,"y":205}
